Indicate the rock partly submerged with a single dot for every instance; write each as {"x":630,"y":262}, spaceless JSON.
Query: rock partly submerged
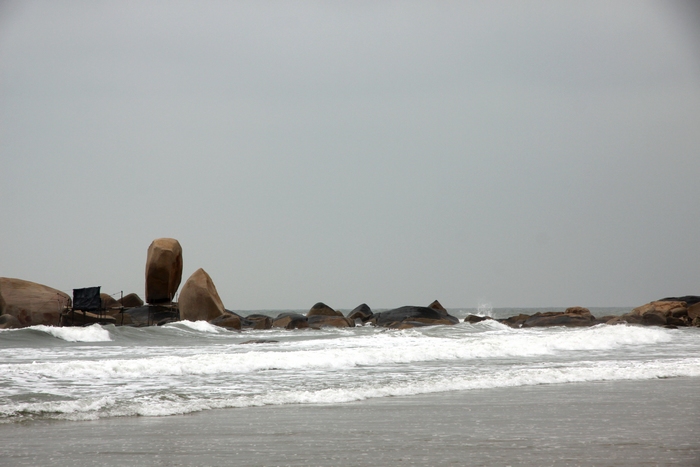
{"x":412,"y":316}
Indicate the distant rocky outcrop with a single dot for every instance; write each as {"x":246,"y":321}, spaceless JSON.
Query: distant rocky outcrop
{"x":412,"y":316}
{"x":31,"y":303}
{"x":571,"y":317}
{"x":163,"y":270}
{"x":657,"y":313}
{"x":321,"y":309}
{"x":199,"y":299}
{"x":131,"y":300}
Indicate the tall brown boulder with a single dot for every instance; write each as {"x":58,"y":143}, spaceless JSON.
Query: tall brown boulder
{"x":163,"y":270}
{"x":199,"y":299}
{"x":31,"y":303}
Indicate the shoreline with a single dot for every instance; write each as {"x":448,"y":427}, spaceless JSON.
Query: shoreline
{"x":622,"y":423}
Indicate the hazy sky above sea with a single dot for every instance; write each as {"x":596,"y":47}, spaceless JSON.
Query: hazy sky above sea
{"x":518,"y":153}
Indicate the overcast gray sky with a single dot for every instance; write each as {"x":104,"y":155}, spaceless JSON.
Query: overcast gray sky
{"x":520,"y":153}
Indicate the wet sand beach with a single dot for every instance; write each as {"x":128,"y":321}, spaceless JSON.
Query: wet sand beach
{"x":628,"y":423}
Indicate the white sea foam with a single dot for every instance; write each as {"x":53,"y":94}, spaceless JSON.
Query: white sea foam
{"x":172,"y":377}
{"x":201,"y":326}
{"x":108,"y":406}
{"x":93,"y":333}
{"x":379,"y":349}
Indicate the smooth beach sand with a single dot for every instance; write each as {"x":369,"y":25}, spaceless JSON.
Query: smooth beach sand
{"x":632,"y":423}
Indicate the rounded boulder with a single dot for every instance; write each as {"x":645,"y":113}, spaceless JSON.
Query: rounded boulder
{"x":32,"y":303}
{"x":131,"y":300}
{"x":199,"y":299}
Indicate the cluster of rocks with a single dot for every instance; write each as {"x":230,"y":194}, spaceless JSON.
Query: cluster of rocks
{"x":669,"y":312}
{"x":24,"y":303}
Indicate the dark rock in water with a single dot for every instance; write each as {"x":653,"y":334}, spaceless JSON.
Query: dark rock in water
{"x":362,"y":312}
{"x":320,"y":321}
{"x":418,"y":314}
{"x":688,"y":299}
{"x":290,"y":321}
{"x":604,"y":319}
{"x":576,"y":316}
{"x":627,"y":318}
{"x":9,"y":322}
{"x":149,"y":315}
{"x":558,"y":320}
{"x":321,"y":309}
{"x":256,"y":321}
{"x":407,"y":325}
{"x":476,"y":319}
{"x":227,"y":320}
{"x":514,"y":321}
{"x":436,"y":305}
{"x":131,"y":300}
{"x":259,"y":341}
{"x":654,"y":318}
{"x":673,"y":321}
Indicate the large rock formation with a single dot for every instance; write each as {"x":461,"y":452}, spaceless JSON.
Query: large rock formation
{"x":163,"y":270}
{"x":410,"y":316}
{"x":321,"y":309}
{"x":199,"y":299}
{"x":657,"y":313}
{"x":32,"y":303}
{"x":574,"y":316}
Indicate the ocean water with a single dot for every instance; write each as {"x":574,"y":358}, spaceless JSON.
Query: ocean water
{"x":101,"y":372}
